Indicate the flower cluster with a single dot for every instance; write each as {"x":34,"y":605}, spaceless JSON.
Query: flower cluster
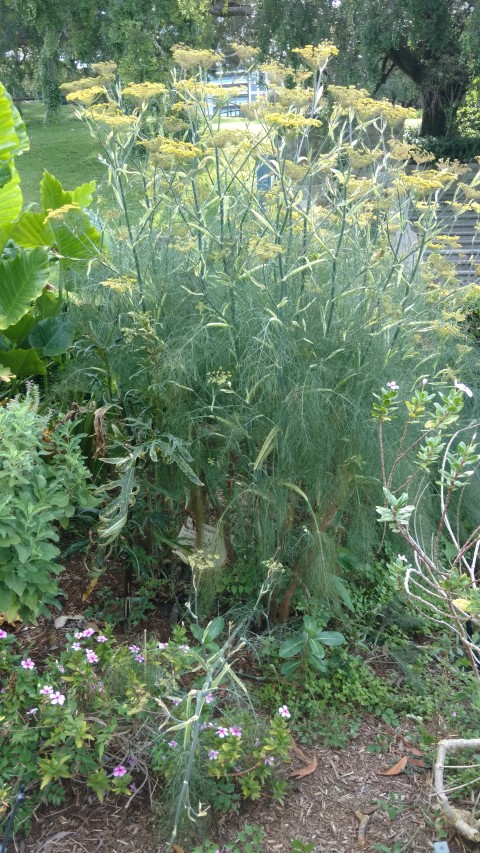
{"x":189,"y":57}
{"x":317,"y":57}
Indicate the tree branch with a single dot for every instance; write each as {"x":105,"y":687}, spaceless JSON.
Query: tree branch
{"x":408,"y":62}
{"x":460,"y":819}
{"x":230,"y":9}
{"x":384,"y":74}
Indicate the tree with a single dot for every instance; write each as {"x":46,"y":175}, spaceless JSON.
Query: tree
{"x":433,"y":43}
{"x":429,"y":41}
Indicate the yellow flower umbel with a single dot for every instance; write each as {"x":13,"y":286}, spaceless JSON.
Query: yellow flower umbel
{"x":189,"y":57}
{"x":143,"y":91}
{"x":122,"y":284}
{"x":111,"y":117}
{"x":168,"y":152}
{"x":84,"y":83}
{"x":290,"y":122}
{"x":264,"y":249}
{"x":245,"y":52}
{"x":294,"y":98}
{"x":274,"y":72}
{"x":88,"y":96}
{"x":59,"y":214}
{"x":317,"y":56}
{"x":367,"y":108}
{"x":103,"y":69}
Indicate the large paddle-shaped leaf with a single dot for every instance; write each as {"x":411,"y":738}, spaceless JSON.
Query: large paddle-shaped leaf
{"x":13,"y":140}
{"x":21,"y":280}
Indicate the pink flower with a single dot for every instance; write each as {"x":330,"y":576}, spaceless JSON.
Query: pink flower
{"x":27,"y":664}
{"x":91,"y":656}
{"x":57,"y":698}
{"x":459,"y":386}
{"x":236,"y":731}
{"x":162,"y":646}
{"x":213,"y":754}
{"x":47,"y":690}
{"x":284,"y":712}
{"x":222,"y":732}
{"x":78,"y":635}
{"x":176,"y":701}
{"x":120,"y":770}
{"x":76,"y":647}
{"x":134,"y":649}
{"x":3,"y":634}
{"x":139,"y":658}
{"x":133,"y":787}
{"x":32,"y":711}
{"x":269,"y":761}
{"x":172,"y":744}
{"x":88,"y":632}
{"x":102,"y":639}
{"x":60,"y":667}
{"x":208,"y":698}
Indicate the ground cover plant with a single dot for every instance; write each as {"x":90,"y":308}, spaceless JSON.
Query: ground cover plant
{"x":237,"y":298}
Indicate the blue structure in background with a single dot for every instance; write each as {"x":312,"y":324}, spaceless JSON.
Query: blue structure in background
{"x":247,"y":80}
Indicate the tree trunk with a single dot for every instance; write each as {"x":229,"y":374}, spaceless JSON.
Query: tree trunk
{"x":434,"y":117}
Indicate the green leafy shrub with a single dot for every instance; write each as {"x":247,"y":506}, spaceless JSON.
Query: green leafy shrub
{"x":468,"y":116}
{"x":462,"y":147}
{"x":43,"y":480}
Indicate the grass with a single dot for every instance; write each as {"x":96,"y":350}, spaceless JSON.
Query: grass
{"x":64,"y":148}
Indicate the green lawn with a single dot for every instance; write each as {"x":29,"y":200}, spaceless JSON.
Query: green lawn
{"x":65,"y":148}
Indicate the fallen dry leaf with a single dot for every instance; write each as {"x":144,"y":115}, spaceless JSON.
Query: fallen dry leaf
{"x":177,"y":849}
{"x":417,"y":762}
{"x":91,"y":586}
{"x":298,"y":751}
{"x":397,"y":768}
{"x":306,"y":771}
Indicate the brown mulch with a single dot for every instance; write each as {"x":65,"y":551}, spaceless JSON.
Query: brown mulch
{"x":341,"y":807}
{"x":328,"y":808}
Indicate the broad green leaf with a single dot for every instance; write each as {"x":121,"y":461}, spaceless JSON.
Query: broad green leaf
{"x":17,"y":584}
{"x":13,"y":136}
{"x":32,"y":231}
{"x":52,"y":336}
{"x":19,"y":332}
{"x":213,"y":629}
{"x":52,"y":193}
{"x":293,"y":646}
{"x":289,"y":667}
{"x":21,"y":280}
{"x":342,"y":591}
{"x":315,"y":648}
{"x":330,"y":638}
{"x":11,"y":199}
{"x":310,"y":624}
{"x":23,"y":363}
{"x":317,"y":664}
{"x":5,"y":173}
{"x":83,"y":194}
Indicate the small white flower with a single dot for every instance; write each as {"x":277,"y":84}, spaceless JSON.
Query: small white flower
{"x":393,"y":386}
{"x":402,"y":558}
{"x":461,"y":387}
